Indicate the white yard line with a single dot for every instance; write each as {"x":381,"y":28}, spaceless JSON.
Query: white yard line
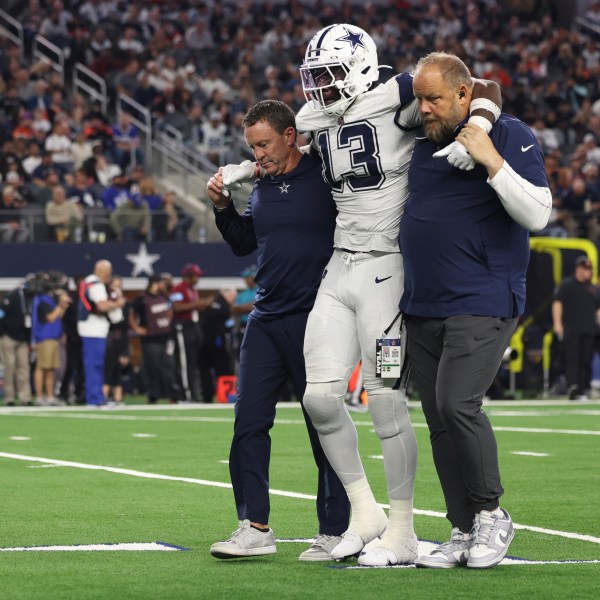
{"x":284,"y":493}
{"x":103,"y":416}
{"x":524,"y":453}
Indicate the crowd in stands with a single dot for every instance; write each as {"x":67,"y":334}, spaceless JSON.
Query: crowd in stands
{"x":198,"y":65}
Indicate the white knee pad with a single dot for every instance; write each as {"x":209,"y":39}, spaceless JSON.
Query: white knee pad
{"x":389,"y":412}
{"x":324,"y":402}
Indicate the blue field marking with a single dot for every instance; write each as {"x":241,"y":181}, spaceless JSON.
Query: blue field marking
{"x":102,"y":547}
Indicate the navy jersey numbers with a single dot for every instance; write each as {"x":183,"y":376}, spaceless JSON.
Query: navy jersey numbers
{"x":352,"y":158}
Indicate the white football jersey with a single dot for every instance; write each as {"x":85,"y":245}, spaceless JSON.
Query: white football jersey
{"x":366,"y":154}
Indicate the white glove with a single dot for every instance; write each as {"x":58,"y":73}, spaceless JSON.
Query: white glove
{"x":235,"y":175}
{"x":457,"y":156}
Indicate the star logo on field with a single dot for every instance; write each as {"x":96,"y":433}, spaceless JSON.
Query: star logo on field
{"x":283,"y":188}
{"x":354,"y":39}
{"x":142,"y":261}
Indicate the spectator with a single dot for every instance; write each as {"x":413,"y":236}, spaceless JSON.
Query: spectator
{"x":575,"y":319}
{"x":215,"y":139}
{"x":49,"y":308}
{"x":149,"y":193}
{"x":126,"y":137}
{"x":12,"y":224}
{"x":65,"y":219}
{"x":33,"y":158}
{"x":83,"y":192}
{"x":116,"y":193}
{"x":131,"y":220}
{"x":579,"y":203}
{"x":81,"y":150}
{"x":171,"y":223}
{"x":59,"y":145}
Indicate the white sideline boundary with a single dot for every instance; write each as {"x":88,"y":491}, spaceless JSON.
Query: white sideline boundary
{"x":117,"y":416}
{"x":284,"y":493}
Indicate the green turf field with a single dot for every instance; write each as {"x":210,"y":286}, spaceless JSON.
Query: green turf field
{"x":76,"y":476}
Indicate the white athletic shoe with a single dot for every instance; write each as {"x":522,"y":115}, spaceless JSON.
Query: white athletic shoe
{"x":245,"y":541}
{"x":385,"y":552}
{"x":321,"y":548}
{"x":492,"y":535}
{"x":448,"y":555}
{"x":358,"y":535}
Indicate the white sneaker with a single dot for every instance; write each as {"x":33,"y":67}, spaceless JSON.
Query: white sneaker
{"x":359,"y":534}
{"x":492,"y":535}
{"x":245,"y":541}
{"x":454,"y":553}
{"x":321,"y":548}
{"x":55,"y":402}
{"x":387,"y":552}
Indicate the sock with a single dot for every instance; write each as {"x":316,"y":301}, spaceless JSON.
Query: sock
{"x":367,"y":515}
{"x":361,"y":497}
{"x":400,"y":518}
{"x":261,"y":529}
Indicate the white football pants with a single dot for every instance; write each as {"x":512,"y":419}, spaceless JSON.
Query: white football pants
{"x":357,"y":301}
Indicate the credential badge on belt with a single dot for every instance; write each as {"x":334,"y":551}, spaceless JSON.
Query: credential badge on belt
{"x":387,"y":358}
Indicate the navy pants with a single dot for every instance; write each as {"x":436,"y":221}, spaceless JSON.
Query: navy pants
{"x":272,"y":351}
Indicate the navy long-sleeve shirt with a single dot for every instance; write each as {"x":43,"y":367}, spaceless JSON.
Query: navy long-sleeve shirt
{"x":463,"y":253}
{"x":290,"y":221}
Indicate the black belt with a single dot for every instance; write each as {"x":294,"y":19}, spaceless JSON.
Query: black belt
{"x":350,"y":251}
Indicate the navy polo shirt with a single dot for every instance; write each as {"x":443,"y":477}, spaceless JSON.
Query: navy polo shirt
{"x":463,"y":253}
{"x":290,"y":221}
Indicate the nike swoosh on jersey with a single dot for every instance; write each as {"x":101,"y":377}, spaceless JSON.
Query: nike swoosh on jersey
{"x":525,"y":148}
{"x":377,"y":280}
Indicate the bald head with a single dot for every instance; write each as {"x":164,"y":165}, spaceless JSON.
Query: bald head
{"x":103,"y":270}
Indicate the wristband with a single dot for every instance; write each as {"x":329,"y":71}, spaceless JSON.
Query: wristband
{"x":485,"y":104}
{"x":481,"y":122}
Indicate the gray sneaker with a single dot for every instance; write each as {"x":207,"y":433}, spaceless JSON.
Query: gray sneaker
{"x":454,"y":553}
{"x":245,"y":541}
{"x":492,"y":535}
{"x":321,"y":548}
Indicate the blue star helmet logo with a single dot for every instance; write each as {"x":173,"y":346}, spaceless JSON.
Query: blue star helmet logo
{"x":355,"y":39}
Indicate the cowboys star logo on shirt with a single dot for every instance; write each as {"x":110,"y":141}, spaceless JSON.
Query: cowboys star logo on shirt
{"x":355,"y":39}
{"x":283,"y":188}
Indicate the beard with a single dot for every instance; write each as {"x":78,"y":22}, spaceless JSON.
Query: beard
{"x":440,"y":130}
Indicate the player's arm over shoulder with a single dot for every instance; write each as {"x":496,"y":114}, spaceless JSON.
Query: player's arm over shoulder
{"x":486,"y":100}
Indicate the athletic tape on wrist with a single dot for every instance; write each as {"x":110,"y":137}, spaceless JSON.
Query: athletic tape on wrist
{"x":485,"y":104}
{"x":481,"y":122}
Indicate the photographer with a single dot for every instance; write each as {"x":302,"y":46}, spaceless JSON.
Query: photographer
{"x":48,"y":311}
{"x":14,"y":343}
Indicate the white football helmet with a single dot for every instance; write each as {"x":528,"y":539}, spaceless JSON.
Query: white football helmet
{"x":339,"y":65}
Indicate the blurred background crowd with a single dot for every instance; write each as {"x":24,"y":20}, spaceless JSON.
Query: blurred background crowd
{"x":167,"y":342}
{"x":81,"y":166}
{"x":113,"y":115}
